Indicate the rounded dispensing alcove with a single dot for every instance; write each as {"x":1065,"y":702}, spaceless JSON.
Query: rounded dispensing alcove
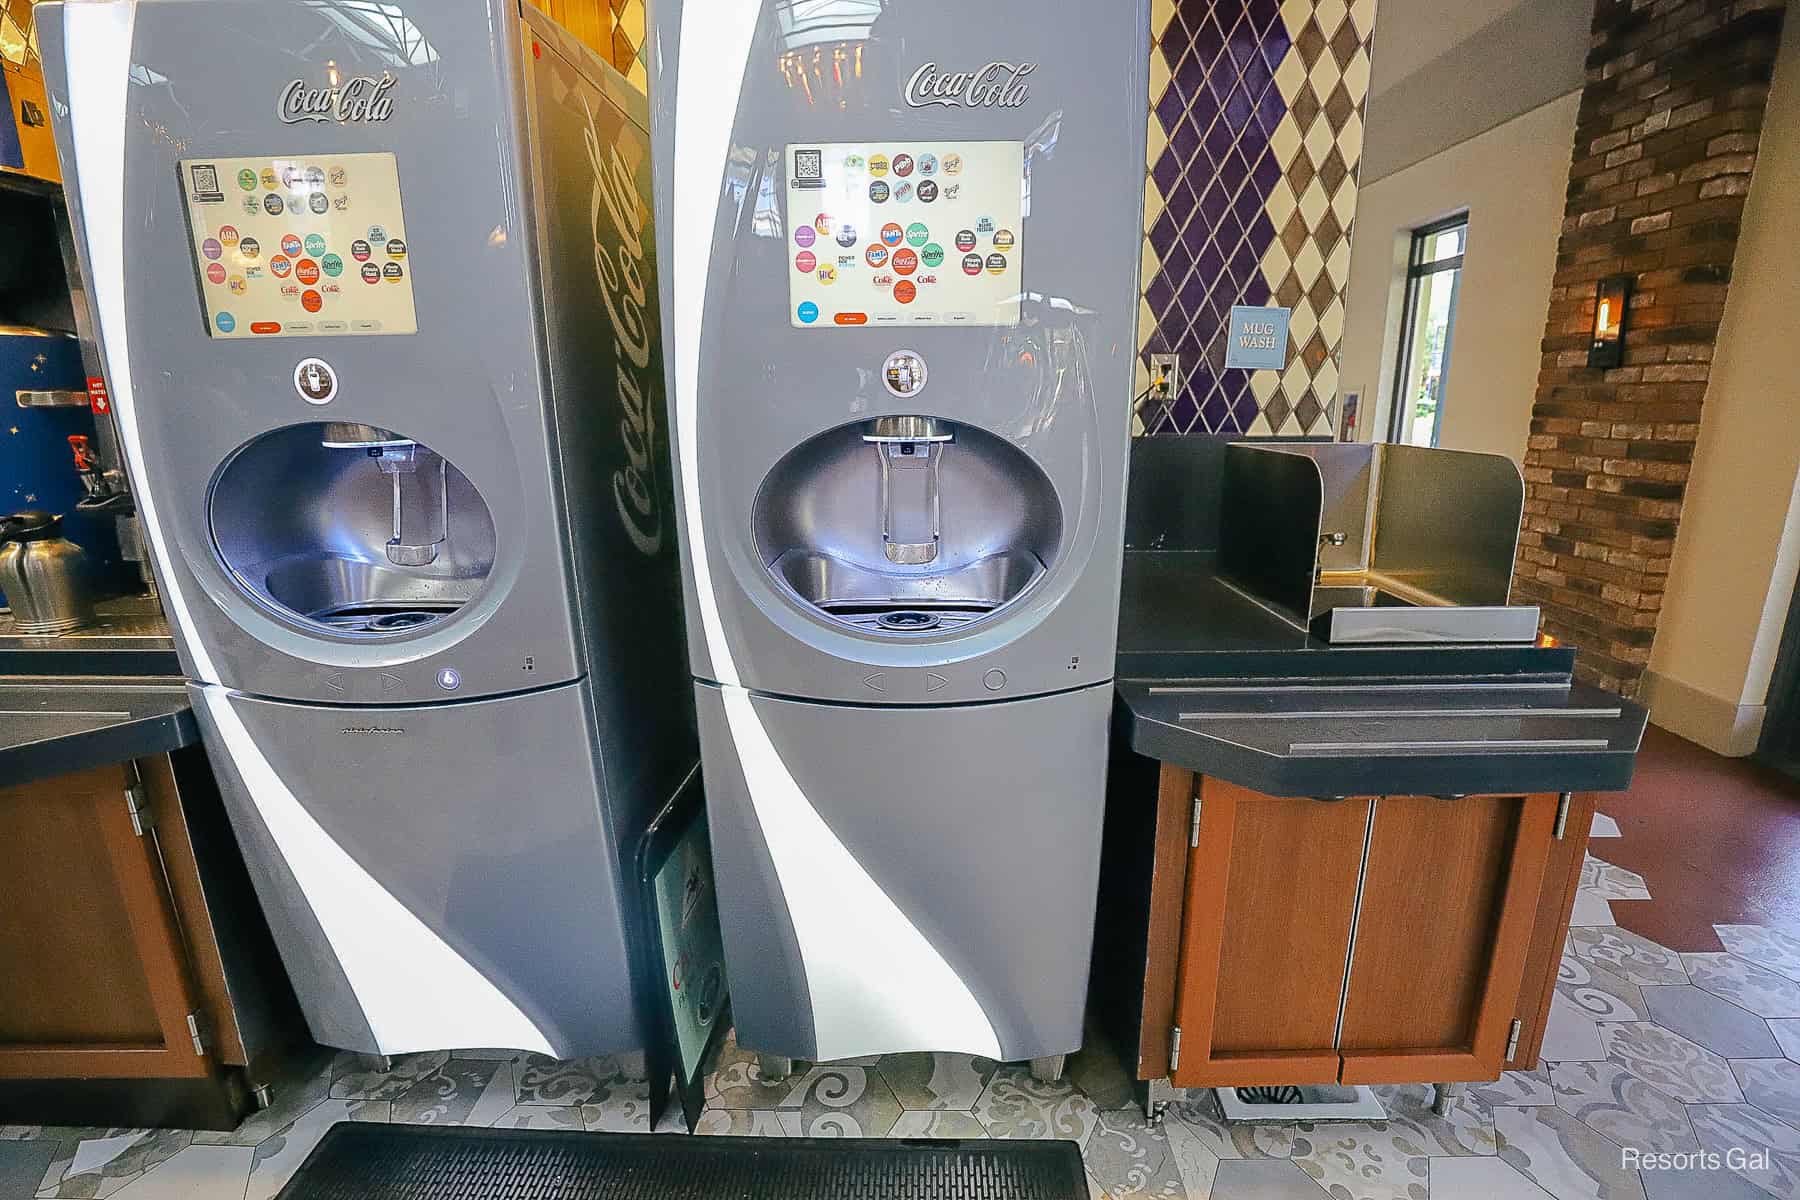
{"x":907,"y":526}
{"x":351,"y":530}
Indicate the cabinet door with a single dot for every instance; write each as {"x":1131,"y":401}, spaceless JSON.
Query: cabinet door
{"x":1271,"y":898}
{"x":1449,"y":899}
{"x":93,"y":982}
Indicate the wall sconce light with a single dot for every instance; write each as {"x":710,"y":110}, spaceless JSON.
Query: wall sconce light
{"x":1607,"y":350}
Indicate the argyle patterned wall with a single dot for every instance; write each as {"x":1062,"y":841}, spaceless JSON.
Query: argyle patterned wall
{"x":614,"y":29}
{"x":1256,"y":124}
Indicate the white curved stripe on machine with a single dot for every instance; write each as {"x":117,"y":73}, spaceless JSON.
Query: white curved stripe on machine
{"x":415,"y":991}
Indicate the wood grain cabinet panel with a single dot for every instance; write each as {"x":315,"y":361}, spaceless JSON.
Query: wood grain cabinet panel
{"x":1449,"y":899}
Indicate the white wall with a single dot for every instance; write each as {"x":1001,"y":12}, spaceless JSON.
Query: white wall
{"x":1733,"y":572}
{"x":1512,"y":181}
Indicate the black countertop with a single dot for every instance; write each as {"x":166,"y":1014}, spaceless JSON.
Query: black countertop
{"x":51,"y":725}
{"x":104,"y":694}
{"x":1211,"y":680}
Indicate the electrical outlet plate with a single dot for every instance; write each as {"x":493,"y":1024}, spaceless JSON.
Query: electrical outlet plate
{"x":1166,"y":366}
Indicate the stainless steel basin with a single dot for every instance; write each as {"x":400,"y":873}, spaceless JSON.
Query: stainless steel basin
{"x":906,"y":602}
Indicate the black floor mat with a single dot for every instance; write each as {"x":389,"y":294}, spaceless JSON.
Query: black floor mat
{"x":365,"y":1161}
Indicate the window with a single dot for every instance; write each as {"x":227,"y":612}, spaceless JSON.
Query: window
{"x":1433,"y":279}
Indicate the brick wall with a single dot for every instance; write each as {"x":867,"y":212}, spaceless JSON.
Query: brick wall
{"x":1664,"y":148}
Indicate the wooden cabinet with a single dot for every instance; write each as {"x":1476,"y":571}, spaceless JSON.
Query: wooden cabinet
{"x":1355,"y":940}
{"x":138,"y":983}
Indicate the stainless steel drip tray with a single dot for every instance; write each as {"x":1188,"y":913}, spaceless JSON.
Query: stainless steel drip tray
{"x":906,"y":601}
{"x":356,"y":595}
{"x":1357,"y":607}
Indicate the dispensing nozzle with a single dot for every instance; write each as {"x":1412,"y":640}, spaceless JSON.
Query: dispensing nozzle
{"x":910,"y":450}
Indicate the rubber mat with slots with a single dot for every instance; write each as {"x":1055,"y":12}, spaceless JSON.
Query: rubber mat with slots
{"x":364,"y":1161}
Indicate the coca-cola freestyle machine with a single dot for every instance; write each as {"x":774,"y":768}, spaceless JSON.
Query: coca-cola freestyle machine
{"x":901,"y":253}
{"x":376,"y":297}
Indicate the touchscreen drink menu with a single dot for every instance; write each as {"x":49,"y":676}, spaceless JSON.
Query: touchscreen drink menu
{"x":912,"y":233}
{"x":300,"y":246}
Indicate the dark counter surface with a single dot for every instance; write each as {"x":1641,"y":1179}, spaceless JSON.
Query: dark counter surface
{"x":1211,"y":680}
{"x":51,"y":725}
{"x":130,"y":637}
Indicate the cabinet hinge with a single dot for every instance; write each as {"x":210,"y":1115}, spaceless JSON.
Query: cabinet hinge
{"x":1174,"y":1048}
{"x":1512,"y":1039}
{"x":199,"y":1040}
{"x":137,"y":803}
{"x":1562,"y":814}
{"x":1194,"y":823}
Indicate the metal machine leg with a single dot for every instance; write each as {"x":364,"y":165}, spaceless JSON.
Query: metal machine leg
{"x":1445,"y":1098}
{"x":1048,"y":1069}
{"x":774,"y":1067}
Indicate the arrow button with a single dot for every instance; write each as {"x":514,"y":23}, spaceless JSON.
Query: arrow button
{"x":935,"y":682}
{"x":335,"y":681}
{"x":876,"y":681}
{"x":391,"y":682}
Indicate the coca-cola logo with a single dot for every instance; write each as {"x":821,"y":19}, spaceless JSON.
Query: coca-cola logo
{"x":616,"y":220}
{"x":362,"y":99}
{"x":997,"y":85}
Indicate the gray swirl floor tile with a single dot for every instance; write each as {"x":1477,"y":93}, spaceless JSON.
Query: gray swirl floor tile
{"x":1129,"y":1158}
{"x":353,"y":1079}
{"x":1635,"y":959}
{"x":1517,"y":1088}
{"x":1671,"y":1063}
{"x":541,"y":1116}
{"x":1263,"y":1179}
{"x":1773,"y":1085}
{"x":1613,"y":883}
{"x":1599,"y":991}
{"x":1732,"y":1130}
{"x":832,"y":1100}
{"x":1557,"y":1152}
{"x":739,"y":1122}
{"x":1228,"y":1139}
{"x":944,"y":1124}
{"x":542,"y":1080}
{"x":934,"y":1081}
{"x":1787,"y":1036}
{"x":1763,"y":946}
{"x":449,"y":1095}
{"x":1481,"y":1179}
{"x":1386,"y":1160}
{"x":1617,"y":1104}
{"x":1014,"y":1105}
{"x":1467,"y":1129}
{"x":1745,"y":984}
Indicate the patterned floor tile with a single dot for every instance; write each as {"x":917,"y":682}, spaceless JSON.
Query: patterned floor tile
{"x":464,"y":1091}
{"x":1014,"y":1105}
{"x":1612,"y":1101}
{"x":104,"y":1166}
{"x":1729,"y":1130}
{"x":1600,"y":992}
{"x":1787,"y":1036}
{"x":1745,"y":984}
{"x":1699,"y":1183}
{"x":1671,"y":1063}
{"x":353,"y":1078}
{"x":1773,"y":1085}
{"x":737,"y":1082}
{"x":1637,"y":959}
{"x":1557,"y":1152}
{"x":1763,"y":946}
{"x":1468,"y":1128}
{"x":1228,"y":1139}
{"x":1517,"y":1088}
{"x":541,"y":1080}
{"x":1195,"y":1162}
{"x":1099,"y":1071}
{"x":1613,"y":883}
{"x":541,"y":1116}
{"x":195,"y":1173}
{"x":1720,"y":1026}
{"x":1264,"y":1179}
{"x":832,"y":1100}
{"x":937,"y":1123}
{"x":1604,"y":827}
{"x":624,"y":1108}
{"x":1386,"y":1160}
{"x":1591,"y":908}
{"x":1483,"y":1178}
{"x":936,"y":1080}
{"x":739,"y":1122}
{"x":279,"y":1157}
{"x":1570,"y":1035}
{"x":301,"y":1087}
{"x":1129,"y":1158}
{"x":24,"y":1163}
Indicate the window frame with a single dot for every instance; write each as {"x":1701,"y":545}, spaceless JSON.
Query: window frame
{"x":1417,"y":272}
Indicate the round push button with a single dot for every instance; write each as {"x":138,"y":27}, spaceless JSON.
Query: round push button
{"x":994,"y":680}
{"x":449,"y":678}
{"x":316,"y":381}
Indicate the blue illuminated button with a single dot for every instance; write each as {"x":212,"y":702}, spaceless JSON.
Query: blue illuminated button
{"x":226,"y":322}
{"x":449,"y":679}
{"x":809,"y":312}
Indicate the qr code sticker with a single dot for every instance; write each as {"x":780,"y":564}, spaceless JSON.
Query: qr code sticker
{"x":206,"y":182}
{"x":809,"y":164}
